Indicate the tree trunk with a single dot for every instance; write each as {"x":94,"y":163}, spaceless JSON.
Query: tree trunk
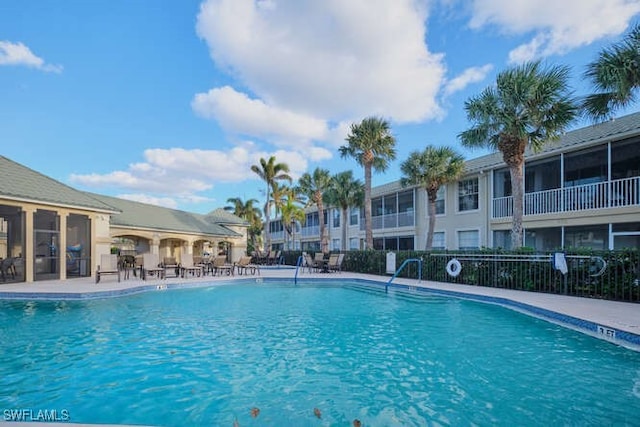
{"x":324,"y":244}
{"x":517,"y":192}
{"x":512,"y":149}
{"x":432,"y":196}
{"x":344,"y":228}
{"x":267,"y":235}
{"x":367,"y":207}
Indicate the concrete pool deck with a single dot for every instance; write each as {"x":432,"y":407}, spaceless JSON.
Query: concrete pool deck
{"x":614,"y":321}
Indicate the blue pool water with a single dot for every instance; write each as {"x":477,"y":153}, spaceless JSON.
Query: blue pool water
{"x":207,"y":356}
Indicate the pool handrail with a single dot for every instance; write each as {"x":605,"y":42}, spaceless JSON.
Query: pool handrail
{"x":298,"y":263}
{"x":405,"y":262}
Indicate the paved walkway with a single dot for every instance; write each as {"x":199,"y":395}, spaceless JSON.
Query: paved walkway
{"x":613,"y":316}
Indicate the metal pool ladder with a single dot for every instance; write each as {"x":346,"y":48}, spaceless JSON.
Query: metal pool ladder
{"x":298,"y":264}
{"x":405,"y":262}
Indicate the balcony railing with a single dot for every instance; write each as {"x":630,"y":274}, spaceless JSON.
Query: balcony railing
{"x":608,"y":194}
{"x":277,"y":235}
{"x":395,"y":220}
{"x":313,"y":230}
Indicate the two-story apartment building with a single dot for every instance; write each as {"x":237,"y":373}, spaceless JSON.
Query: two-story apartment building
{"x":580,"y":191}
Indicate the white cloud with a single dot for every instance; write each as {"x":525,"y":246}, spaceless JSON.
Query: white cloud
{"x":238,"y":113}
{"x":467,"y":77}
{"x":333,"y":59}
{"x":19,"y":54}
{"x":165,"y":202}
{"x":557,"y":25}
{"x":186,"y":174}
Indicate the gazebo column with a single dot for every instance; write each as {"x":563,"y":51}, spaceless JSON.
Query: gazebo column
{"x":28,"y":244}
{"x":63,"y":244}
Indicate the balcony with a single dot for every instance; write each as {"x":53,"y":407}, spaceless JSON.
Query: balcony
{"x":609,"y":194}
{"x":380,"y":222}
{"x":311,"y":231}
{"x":277,"y":235}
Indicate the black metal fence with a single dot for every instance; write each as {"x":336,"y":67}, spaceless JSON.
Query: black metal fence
{"x":612,"y":275}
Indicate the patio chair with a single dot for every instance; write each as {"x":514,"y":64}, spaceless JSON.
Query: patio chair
{"x":187,"y":266}
{"x":332,"y":263}
{"x":244,"y":265}
{"x":273,"y":258}
{"x":108,"y":265}
{"x":220,"y":265}
{"x":203,"y":262}
{"x":311,"y":264}
{"x":335,"y":262}
{"x":151,"y":265}
{"x":170,"y":263}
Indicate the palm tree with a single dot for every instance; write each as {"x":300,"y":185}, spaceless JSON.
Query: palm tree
{"x":270,"y":172}
{"x":615,"y":76}
{"x":372,"y":145}
{"x":247,"y":211}
{"x":431,"y":169}
{"x":278,"y":197}
{"x":345,"y":191}
{"x":529,"y":106}
{"x":292,"y":213}
{"x":314,"y":186}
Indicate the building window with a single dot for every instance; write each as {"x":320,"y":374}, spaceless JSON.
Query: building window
{"x":501,"y":183}
{"x":585,"y":167}
{"x":625,"y":160}
{"x":353,"y":217}
{"x":502,"y":239}
{"x":468,"y":239}
{"x":335,"y":244}
{"x":440,"y":200}
{"x":587,"y":236}
{"x":390,"y":206}
{"x":376,"y":207}
{"x":354,"y":243}
{"x":336,"y":218}
{"x":468,"y":195}
{"x":438,"y":240}
{"x":378,"y":243}
{"x":542,"y":175}
{"x":543,"y":239}
{"x":391,"y":243}
{"x":405,"y":243}
{"x":405,"y":209}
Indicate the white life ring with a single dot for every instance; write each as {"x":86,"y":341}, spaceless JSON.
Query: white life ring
{"x":454,"y":267}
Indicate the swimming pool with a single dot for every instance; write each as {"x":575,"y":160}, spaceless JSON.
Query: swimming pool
{"x":207,"y":356}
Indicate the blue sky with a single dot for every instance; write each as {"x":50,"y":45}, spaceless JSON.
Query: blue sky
{"x":171,"y":101}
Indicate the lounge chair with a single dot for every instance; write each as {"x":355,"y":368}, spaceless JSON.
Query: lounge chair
{"x":108,"y":265}
{"x":187,"y":266}
{"x":311,"y":264}
{"x":151,"y":265}
{"x":220,"y":265}
{"x":335,"y":262}
{"x":320,"y":262}
{"x":274,"y":258}
{"x":203,"y":262}
{"x":170,"y":263}
{"x":244,"y":265}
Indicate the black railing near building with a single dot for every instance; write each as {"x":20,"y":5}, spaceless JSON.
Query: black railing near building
{"x":519,"y":270}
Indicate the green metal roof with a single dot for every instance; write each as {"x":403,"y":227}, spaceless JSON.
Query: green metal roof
{"x":145,"y":216}
{"x":18,"y":182}
{"x":613,"y":130}
{"x":221,"y":216}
